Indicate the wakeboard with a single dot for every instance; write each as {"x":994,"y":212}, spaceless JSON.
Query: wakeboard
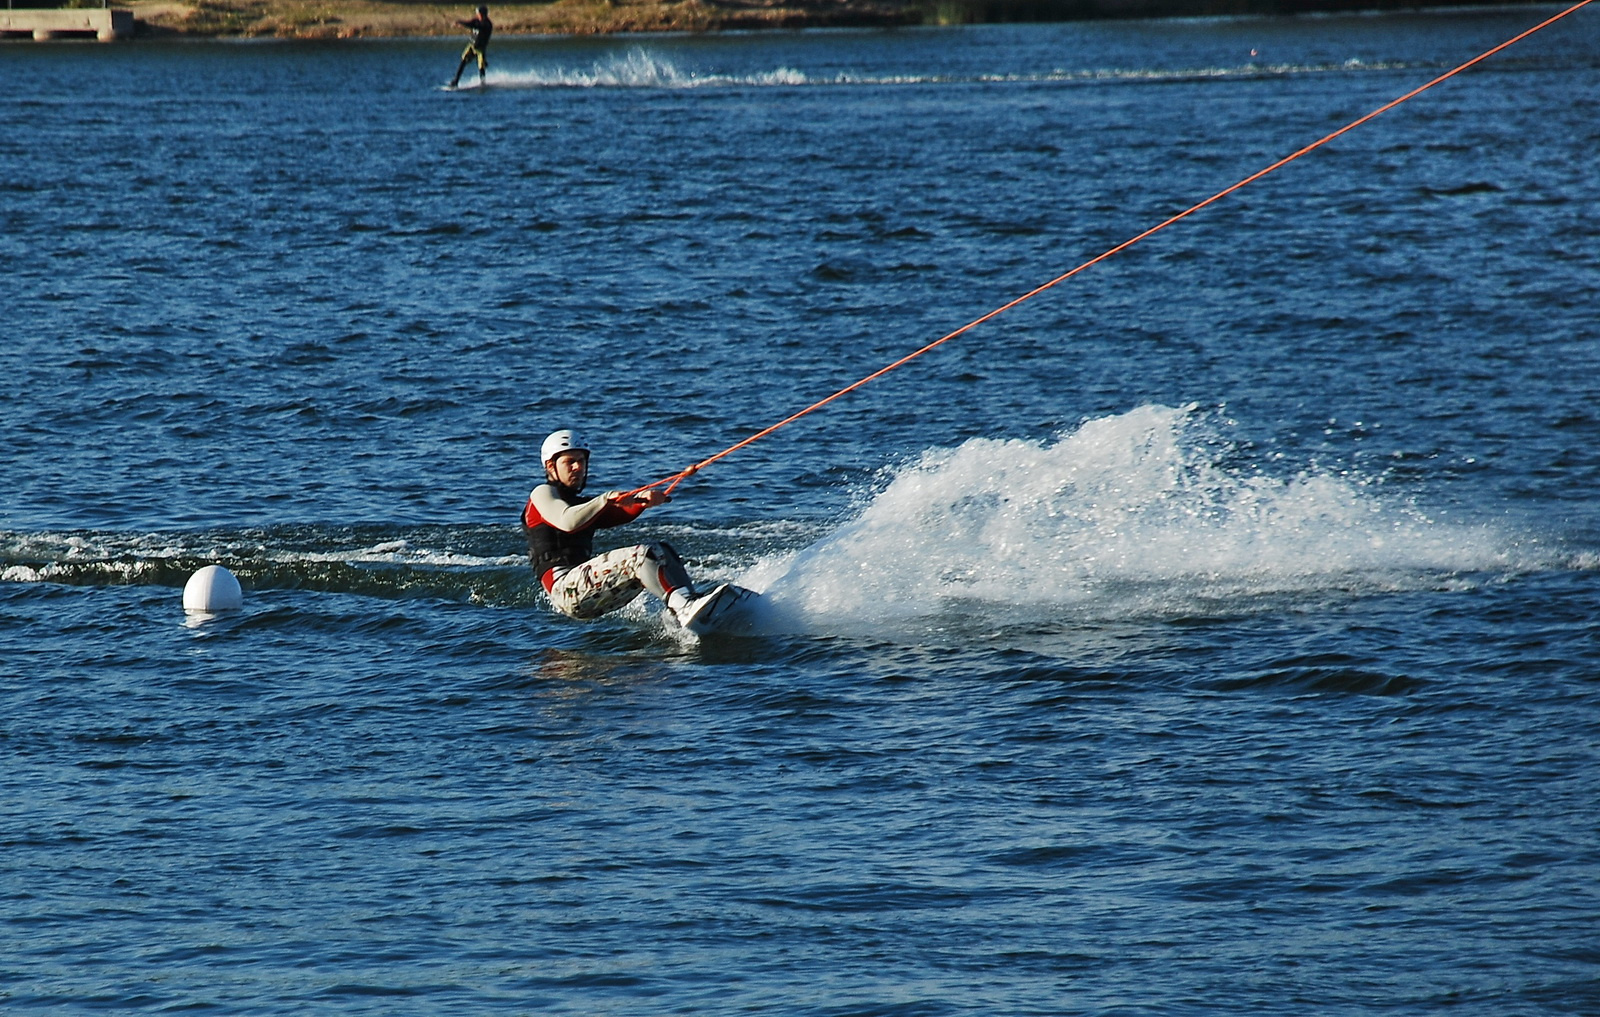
{"x":722,"y":609}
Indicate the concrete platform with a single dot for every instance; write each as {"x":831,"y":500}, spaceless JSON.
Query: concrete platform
{"x":104,"y":23}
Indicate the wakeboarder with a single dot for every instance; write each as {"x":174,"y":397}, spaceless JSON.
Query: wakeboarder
{"x":481,"y":28}
{"x":560,"y":527}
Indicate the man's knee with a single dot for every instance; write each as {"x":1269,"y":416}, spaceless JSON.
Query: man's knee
{"x":662,"y":553}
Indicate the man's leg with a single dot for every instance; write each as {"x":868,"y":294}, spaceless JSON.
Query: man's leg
{"x":609,"y":581}
{"x":465,"y":56}
{"x":670,"y":574}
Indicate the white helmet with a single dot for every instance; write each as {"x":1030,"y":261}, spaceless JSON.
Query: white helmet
{"x":559,"y":442}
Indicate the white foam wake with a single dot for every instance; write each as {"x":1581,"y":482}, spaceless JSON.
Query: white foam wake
{"x":637,"y":69}
{"x":1134,"y":514}
{"x":640,"y":68}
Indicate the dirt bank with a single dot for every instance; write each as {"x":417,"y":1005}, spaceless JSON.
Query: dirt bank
{"x":344,"y":19}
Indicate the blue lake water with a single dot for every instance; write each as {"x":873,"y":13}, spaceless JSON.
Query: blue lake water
{"x":1213,"y":633}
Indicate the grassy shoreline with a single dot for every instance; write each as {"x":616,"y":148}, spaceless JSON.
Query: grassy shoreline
{"x":349,"y":19}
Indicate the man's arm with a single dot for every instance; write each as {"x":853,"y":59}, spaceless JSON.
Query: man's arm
{"x":564,"y":515}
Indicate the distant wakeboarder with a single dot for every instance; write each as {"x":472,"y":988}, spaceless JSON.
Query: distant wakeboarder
{"x":481,"y":28}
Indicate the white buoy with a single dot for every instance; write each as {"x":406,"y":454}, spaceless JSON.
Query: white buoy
{"x":212,"y":589}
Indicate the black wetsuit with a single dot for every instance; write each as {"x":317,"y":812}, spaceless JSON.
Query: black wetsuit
{"x":553,"y":547}
{"x":481,"y":28}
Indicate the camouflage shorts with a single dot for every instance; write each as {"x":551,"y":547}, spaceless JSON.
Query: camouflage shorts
{"x":602,"y":584}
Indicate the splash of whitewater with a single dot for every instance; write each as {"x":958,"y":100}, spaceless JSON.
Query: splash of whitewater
{"x":641,"y":68}
{"x":1134,"y":514}
{"x":638,"y":69}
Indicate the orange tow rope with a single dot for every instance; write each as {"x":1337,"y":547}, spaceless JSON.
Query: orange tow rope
{"x":678,"y":478}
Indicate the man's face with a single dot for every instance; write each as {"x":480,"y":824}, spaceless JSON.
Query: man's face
{"x":571,"y":469}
